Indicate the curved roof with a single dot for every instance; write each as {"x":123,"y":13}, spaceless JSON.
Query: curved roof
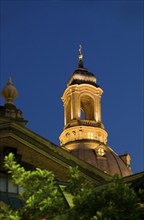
{"x":111,"y":163}
{"x":82,"y":76}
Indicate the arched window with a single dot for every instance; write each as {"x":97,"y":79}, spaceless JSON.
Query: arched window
{"x":87,"y":106}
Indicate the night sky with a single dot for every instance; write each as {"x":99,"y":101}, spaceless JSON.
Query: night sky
{"x":39,"y":50}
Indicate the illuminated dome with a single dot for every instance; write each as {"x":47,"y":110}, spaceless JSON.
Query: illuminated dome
{"x":102,"y":157}
{"x":81,"y":76}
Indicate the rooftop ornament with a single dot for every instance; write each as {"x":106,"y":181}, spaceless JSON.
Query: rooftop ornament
{"x":80,"y":56}
{"x":80,"y":52}
{"x":9,"y":92}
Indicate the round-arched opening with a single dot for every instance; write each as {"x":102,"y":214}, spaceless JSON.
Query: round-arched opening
{"x":87,"y":108}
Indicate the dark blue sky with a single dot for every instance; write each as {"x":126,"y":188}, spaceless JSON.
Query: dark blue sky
{"x":39,"y":49}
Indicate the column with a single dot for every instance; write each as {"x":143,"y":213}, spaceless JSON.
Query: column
{"x":75,"y":105}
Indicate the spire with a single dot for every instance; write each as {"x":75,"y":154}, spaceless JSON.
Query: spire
{"x":9,"y":92}
{"x":80,"y":52}
{"x":80,"y":56}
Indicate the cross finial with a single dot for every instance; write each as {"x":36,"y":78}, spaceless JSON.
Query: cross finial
{"x":80,"y":52}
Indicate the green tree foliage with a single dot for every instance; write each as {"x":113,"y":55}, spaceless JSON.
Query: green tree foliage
{"x":113,"y":202}
{"x":43,"y":201}
{"x":41,"y":195}
{"x":6,"y":213}
{"x":75,"y":181}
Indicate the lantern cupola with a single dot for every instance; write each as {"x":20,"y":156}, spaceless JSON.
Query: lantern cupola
{"x":82,"y":108}
{"x":84,"y":134}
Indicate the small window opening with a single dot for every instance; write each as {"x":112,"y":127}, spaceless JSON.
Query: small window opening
{"x":82,"y":115}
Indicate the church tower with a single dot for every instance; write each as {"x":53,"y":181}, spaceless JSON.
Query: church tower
{"x":84,"y":134}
